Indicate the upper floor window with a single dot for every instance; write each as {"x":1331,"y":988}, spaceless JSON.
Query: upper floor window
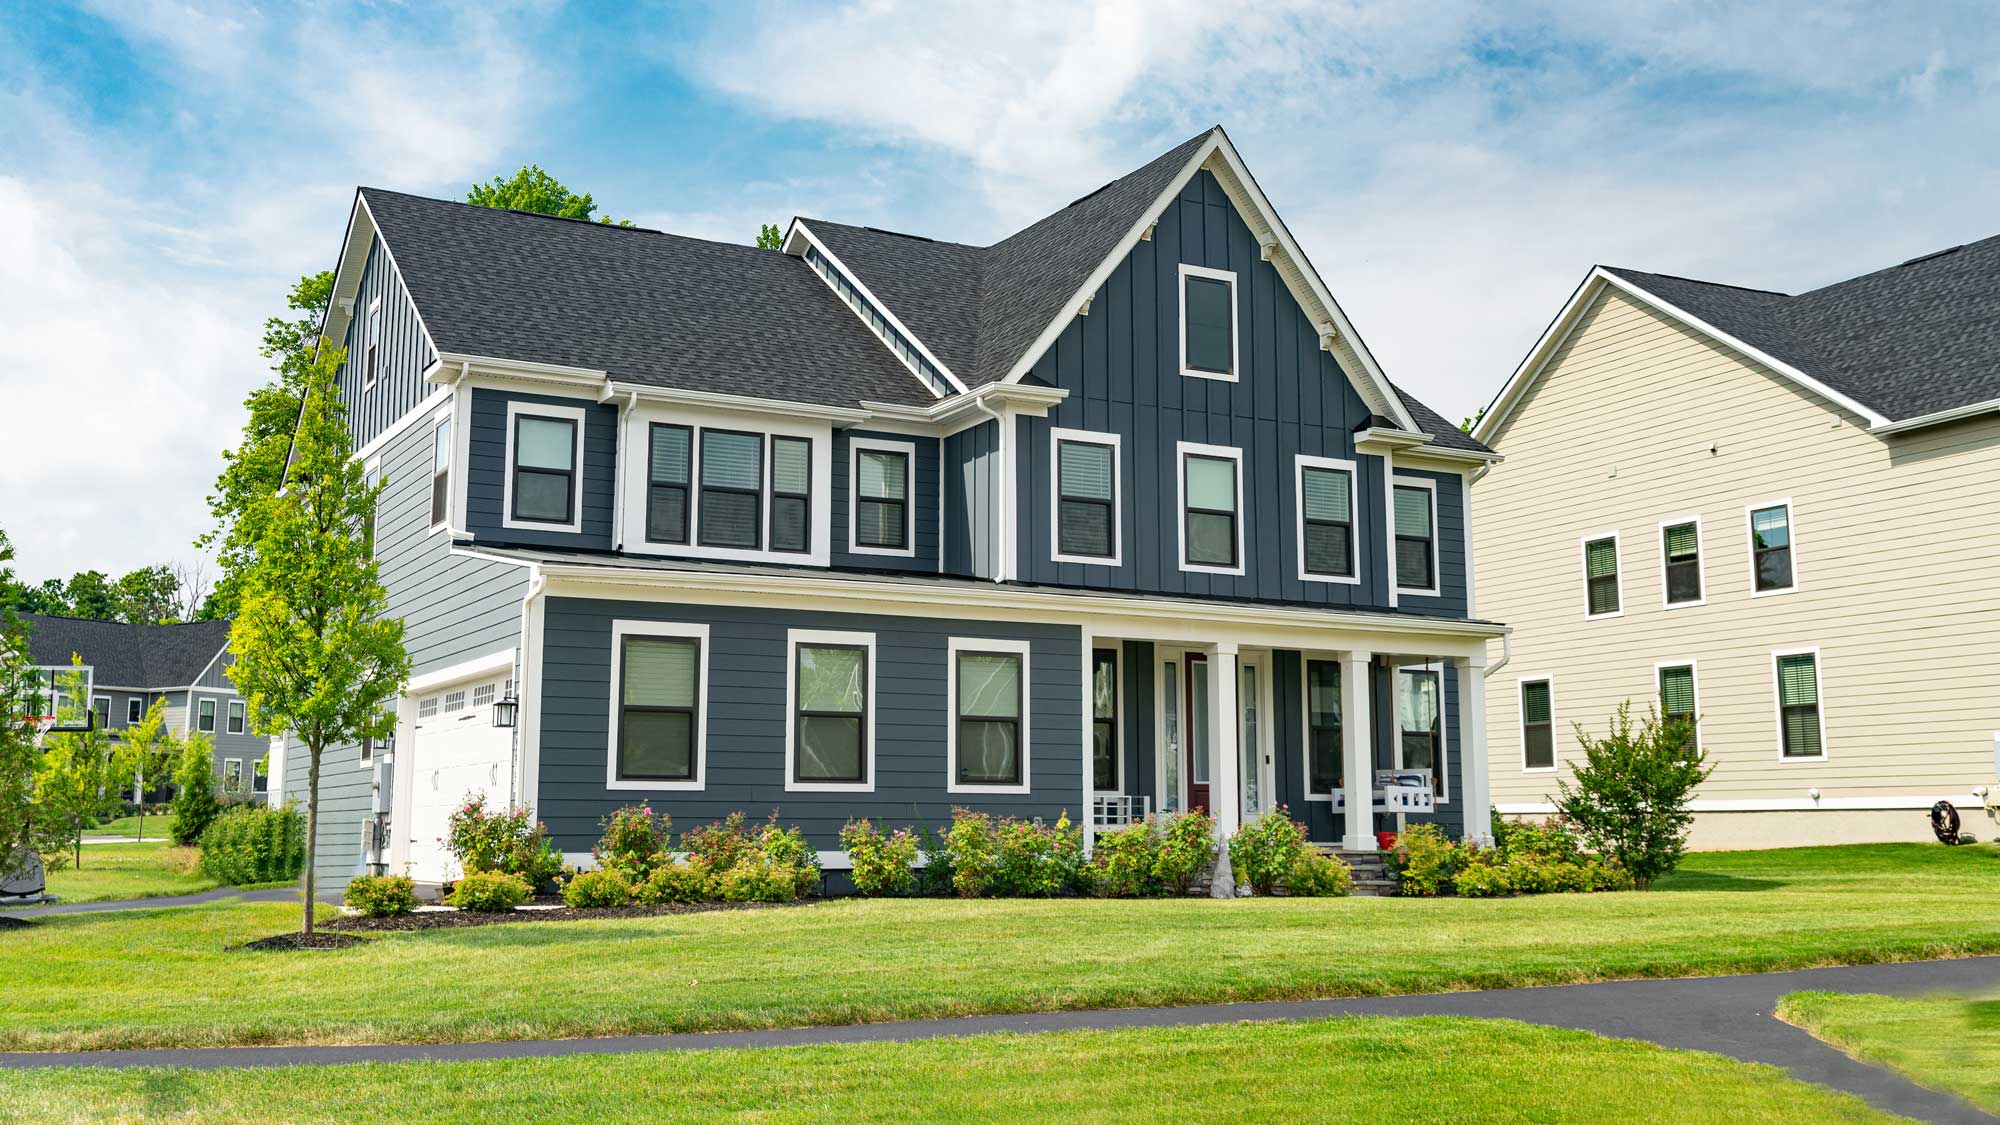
{"x":1326,"y":519}
{"x":236,"y":709}
{"x":1771,"y":547}
{"x":668,"y":473}
{"x":1323,"y":738}
{"x":1208,"y":323}
{"x":658,"y":676}
{"x":1211,"y":488}
{"x":1086,"y":488}
{"x":830,"y":743}
{"x":791,"y":494}
{"x":1538,"y":730}
{"x":1680,"y":548}
{"x":732,"y":489}
{"x":989,"y":737}
{"x":1600,"y":576}
{"x":100,"y":706}
{"x":544,"y":481}
{"x":1677,"y":700}
{"x":441,"y":473}
{"x":205,"y":716}
{"x":1799,"y":732}
{"x":374,"y":329}
{"x":730,"y":493}
{"x":1416,"y":537}
{"x":879,"y":501}
{"x":135,"y":709}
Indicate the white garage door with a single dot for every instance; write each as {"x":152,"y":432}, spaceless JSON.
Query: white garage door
{"x":458,"y":754}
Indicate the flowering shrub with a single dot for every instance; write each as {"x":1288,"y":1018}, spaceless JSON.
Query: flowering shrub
{"x":721,"y":843}
{"x":379,"y":896}
{"x":1319,"y":876}
{"x":1263,"y":852}
{"x":1127,"y":860}
{"x":972,"y":847}
{"x":490,"y":891}
{"x":788,"y":847}
{"x":1483,"y":880}
{"x":759,"y":878}
{"x":673,"y":881}
{"x":606,"y":886}
{"x":1425,"y":861}
{"x":512,"y":842}
{"x":1033,"y":861}
{"x":882,"y":864}
{"x":1187,"y":851}
{"x":634,"y":841}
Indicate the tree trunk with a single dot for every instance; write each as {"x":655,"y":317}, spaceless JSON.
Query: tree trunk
{"x":312,"y":831}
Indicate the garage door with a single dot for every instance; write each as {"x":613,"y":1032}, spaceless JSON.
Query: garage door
{"x":458,"y":755}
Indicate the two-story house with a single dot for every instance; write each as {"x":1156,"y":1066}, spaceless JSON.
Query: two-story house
{"x":1777,"y":514}
{"x":1115,"y":516}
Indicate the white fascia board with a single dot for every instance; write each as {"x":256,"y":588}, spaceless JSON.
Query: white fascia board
{"x":801,"y":231}
{"x":713,"y":400}
{"x":452,"y":366}
{"x":1939,"y":417}
{"x":354,"y":256}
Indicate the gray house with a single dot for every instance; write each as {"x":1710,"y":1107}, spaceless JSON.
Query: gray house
{"x":132,"y":666}
{"x":1116,"y":516}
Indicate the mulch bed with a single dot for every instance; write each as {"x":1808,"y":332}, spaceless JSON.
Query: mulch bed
{"x":318,"y":939}
{"x":452,"y":919}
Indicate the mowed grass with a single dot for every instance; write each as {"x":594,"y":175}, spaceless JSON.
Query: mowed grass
{"x":121,"y":871}
{"x":1949,"y":1043}
{"x":855,"y":961}
{"x":155,"y":827}
{"x":1361,"y":1070}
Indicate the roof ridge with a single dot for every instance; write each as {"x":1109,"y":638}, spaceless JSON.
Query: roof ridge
{"x":1701,"y":281}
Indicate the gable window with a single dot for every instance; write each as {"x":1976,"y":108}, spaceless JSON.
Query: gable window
{"x":830,"y":744}
{"x":989,"y":713}
{"x":1208,"y":323}
{"x":791,"y":494}
{"x":1600,"y":577}
{"x":1538,"y":732}
{"x":1680,"y":547}
{"x":441,"y":474}
{"x":1677,"y":701}
{"x":1326,"y":519}
{"x":1416,"y":538}
{"x":1104,"y":720}
{"x":543,"y":478}
{"x":1323,"y":739}
{"x":1800,"y":734}
{"x":205,"y":716}
{"x":1211,"y":487}
{"x":657,"y":711}
{"x":374,"y":338}
{"x":1771,"y":547}
{"x":879,"y":501}
{"x":668,"y":472}
{"x":1086,"y":489}
{"x":135,"y":710}
{"x":1420,"y":723}
{"x":732,"y":489}
{"x":236,"y":709}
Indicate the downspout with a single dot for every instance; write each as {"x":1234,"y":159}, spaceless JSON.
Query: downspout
{"x":1000,"y":528}
{"x":618,"y":474}
{"x":517,"y":786}
{"x":1506,"y":639}
{"x":461,"y":420}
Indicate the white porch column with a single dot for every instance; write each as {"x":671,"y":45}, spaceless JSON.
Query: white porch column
{"x":1477,"y":797}
{"x":1225,"y":765}
{"x":1357,"y":750}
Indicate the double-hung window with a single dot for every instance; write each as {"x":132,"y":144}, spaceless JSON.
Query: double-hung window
{"x":1324,"y":761}
{"x":205,"y":716}
{"x":989,"y":737}
{"x":659,"y":705}
{"x":1600,"y":576}
{"x":831,"y":745}
{"x":236,"y":715}
{"x":1211,"y":487}
{"x":669,"y":474}
{"x":100,"y":707}
{"x":1326,"y":519}
{"x":1208,"y":323}
{"x":543,"y":476}
{"x":1086,"y":484}
{"x":1800,"y":734}
{"x":1420,"y":719}
{"x":1771,"y":547}
{"x":135,"y":709}
{"x":880,"y":509}
{"x":1677,"y":701}
{"x":1104,"y":720}
{"x":1416,"y":538}
{"x":1538,"y":733}
{"x":1680,"y":548}
{"x":791,"y":494}
{"x":732,"y":489}
{"x":374,"y":329}
{"x":441,"y":473}
{"x":232,"y":775}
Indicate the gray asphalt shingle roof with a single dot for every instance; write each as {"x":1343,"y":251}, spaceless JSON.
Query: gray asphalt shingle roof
{"x":126,"y":655}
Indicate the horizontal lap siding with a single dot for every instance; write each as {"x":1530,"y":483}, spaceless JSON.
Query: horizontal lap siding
{"x":401,"y":356}
{"x":486,"y":472}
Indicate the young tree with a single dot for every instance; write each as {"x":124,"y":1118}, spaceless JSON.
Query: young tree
{"x":316,"y":652}
{"x":534,"y":190}
{"x":20,"y":749}
{"x":1632,"y":791}
{"x":71,"y":783}
{"x":195,"y":807}
{"x":150,"y":752}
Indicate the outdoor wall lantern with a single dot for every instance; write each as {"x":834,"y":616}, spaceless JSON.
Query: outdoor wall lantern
{"x":504,"y":712}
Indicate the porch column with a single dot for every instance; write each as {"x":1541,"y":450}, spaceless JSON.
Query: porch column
{"x":1477,"y":797}
{"x":1357,"y":750}
{"x":1225,"y":766}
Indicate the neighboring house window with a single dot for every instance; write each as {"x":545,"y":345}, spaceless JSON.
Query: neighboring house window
{"x":1211,"y":497}
{"x":1538,"y":732}
{"x":791,"y":494}
{"x":205,"y":716}
{"x":659,"y":720}
{"x":1326,"y":518}
{"x":831,"y":693}
{"x":1677,"y":700}
{"x":1421,"y":723}
{"x":1771,"y":547}
{"x":1681,"y":545}
{"x":881,"y":501}
{"x":544,"y":469}
{"x":367,"y":751}
{"x":135,"y":710}
{"x":232,"y":775}
{"x":989,"y":747}
{"x":1416,"y":537}
{"x":374,"y":338}
{"x":1104,"y":720}
{"x":101,"y":706}
{"x":236,"y":709}
{"x":1323,"y":739}
{"x":668,"y":474}
{"x":732,"y":489}
{"x":1086,"y":487}
{"x":441,"y":474}
{"x":1600,"y":576}
{"x":1800,"y":734}
{"x":1208,"y":323}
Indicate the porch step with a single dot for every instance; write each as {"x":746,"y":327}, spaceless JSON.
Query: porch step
{"x":1371,"y":876}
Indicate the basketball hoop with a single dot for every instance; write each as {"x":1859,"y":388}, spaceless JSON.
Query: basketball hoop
{"x":59,"y":703}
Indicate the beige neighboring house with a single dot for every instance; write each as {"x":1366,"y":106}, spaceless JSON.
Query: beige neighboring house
{"x":1780,"y":513}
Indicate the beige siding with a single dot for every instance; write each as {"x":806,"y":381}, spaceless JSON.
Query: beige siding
{"x":1637,"y":420}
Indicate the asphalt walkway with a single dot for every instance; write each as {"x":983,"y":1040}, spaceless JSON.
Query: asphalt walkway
{"x":265,"y":894}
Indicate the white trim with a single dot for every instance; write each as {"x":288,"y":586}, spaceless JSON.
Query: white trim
{"x":1436,"y":588}
{"x":104,"y":719}
{"x":1617,"y":572}
{"x":1441,"y":773}
{"x":1182,"y":451}
{"x":478,"y":667}
{"x":1300,"y":463}
{"x":418,"y":413}
{"x":517,"y":369}
{"x":621,"y":629}
{"x":1939,"y":417}
{"x":634,"y":485}
{"x":1521,"y":721}
{"x":1700,"y":564}
{"x":1819,"y":703}
{"x":793,"y":639}
{"x":855,"y":447}
{"x":232,"y":785}
{"x":136,"y":703}
{"x":371,"y":328}
{"x":1791,"y":544}
{"x":237,"y":715}
{"x":1694,"y":676}
{"x":358,"y":257}
{"x":800,"y":229}
{"x":1085,"y":437}
{"x":214,"y":726}
{"x":954,"y":646}
{"x":517,"y":409}
{"x":740,"y":404}
{"x":1234,"y":374}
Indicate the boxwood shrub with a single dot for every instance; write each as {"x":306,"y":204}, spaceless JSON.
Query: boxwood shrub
{"x":379,"y":896}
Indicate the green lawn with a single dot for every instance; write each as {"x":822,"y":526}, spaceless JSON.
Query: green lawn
{"x":156,"y":827}
{"x":1949,"y":1043}
{"x":856,"y":961}
{"x":119,"y":871}
{"x":1331,"y":1070}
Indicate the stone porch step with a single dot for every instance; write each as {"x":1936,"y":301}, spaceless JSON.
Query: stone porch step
{"x":1371,"y":875}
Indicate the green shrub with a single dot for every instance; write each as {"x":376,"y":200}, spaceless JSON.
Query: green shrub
{"x":721,"y":844}
{"x":972,"y":847}
{"x":1319,"y":876}
{"x":490,"y":892}
{"x":1187,"y":851}
{"x":1600,"y":875}
{"x":1263,"y":852}
{"x":1630,"y":799}
{"x":510,"y":842}
{"x":1425,"y":861}
{"x":1036,"y":861}
{"x":1553,"y":839}
{"x":1126,"y":860}
{"x":758,"y":878}
{"x":634,"y":841}
{"x":788,"y":847}
{"x":195,"y":807}
{"x":379,"y":896}
{"x":882,"y":865}
{"x":671,"y":881}
{"x":1483,"y":880}
{"x":255,"y":844}
{"x":606,"y":886}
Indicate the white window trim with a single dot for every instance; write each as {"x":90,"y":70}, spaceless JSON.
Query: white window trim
{"x":452,"y":471}
{"x":1117,"y":649}
{"x":855,"y":447}
{"x":1749,"y":545}
{"x":1700,"y":563}
{"x":620,"y":629}
{"x":1819,"y":694}
{"x":1437,"y":533}
{"x":958,"y":645}
{"x":574,"y":414}
{"x":1305,"y":724}
{"x":229,"y":784}
{"x":1300,"y":464}
{"x":1441,"y":777}
{"x":1695,"y":672}
{"x":371,"y":332}
{"x":1235,"y":329}
{"x":793,"y":639}
{"x":1086,"y":437}
{"x":635,"y":478}
{"x":237,"y":717}
{"x":1182,"y":451}
{"x":1521,"y":722}
{"x":211,"y":728}
{"x":1583,"y":564}
{"x":132,"y":705}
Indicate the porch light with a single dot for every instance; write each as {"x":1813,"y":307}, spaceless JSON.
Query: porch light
{"x":504,"y":712}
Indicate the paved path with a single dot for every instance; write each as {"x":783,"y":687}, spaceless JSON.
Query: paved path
{"x":1726,"y":1015}
{"x":267,"y":894}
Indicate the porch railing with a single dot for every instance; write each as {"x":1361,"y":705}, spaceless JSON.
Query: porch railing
{"x":1119,"y":810}
{"x":1397,"y":791}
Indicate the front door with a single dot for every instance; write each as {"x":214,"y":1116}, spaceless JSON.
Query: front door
{"x":1197,"y":731}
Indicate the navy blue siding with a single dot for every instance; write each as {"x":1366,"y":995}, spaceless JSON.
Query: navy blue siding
{"x":1135,"y":718}
{"x":924,"y":504}
{"x":972,"y":501}
{"x":1450,"y":601}
{"x":486,"y":472}
{"x":400,"y":358}
{"x":1288,"y":685}
{"x":746,"y":721}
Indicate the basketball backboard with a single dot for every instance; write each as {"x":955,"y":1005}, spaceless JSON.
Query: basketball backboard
{"x":59,"y":699}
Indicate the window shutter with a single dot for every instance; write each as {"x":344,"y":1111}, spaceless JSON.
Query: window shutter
{"x":1797,"y":684}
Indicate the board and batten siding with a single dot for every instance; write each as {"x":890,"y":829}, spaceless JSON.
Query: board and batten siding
{"x":1638,"y":420}
{"x":1288,"y":712}
{"x":923,"y":502}
{"x":401,"y":356}
{"x":972,"y":501}
{"x":487,"y":469}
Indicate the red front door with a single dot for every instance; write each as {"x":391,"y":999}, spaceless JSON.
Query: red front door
{"x":1196,"y":710}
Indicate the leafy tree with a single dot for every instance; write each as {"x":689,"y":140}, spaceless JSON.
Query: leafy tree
{"x":19,"y":744}
{"x":195,"y":806}
{"x":72,"y":782}
{"x":770,"y":237}
{"x":150,"y":751}
{"x":315,"y":649}
{"x":534,"y":190}
{"x":1630,"y":800}
{"x":1467,"y":425}
{"x":91,"y":594}
{"x":147,"y":596}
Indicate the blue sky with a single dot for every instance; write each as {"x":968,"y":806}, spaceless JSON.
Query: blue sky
{"x":167,"y":169}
